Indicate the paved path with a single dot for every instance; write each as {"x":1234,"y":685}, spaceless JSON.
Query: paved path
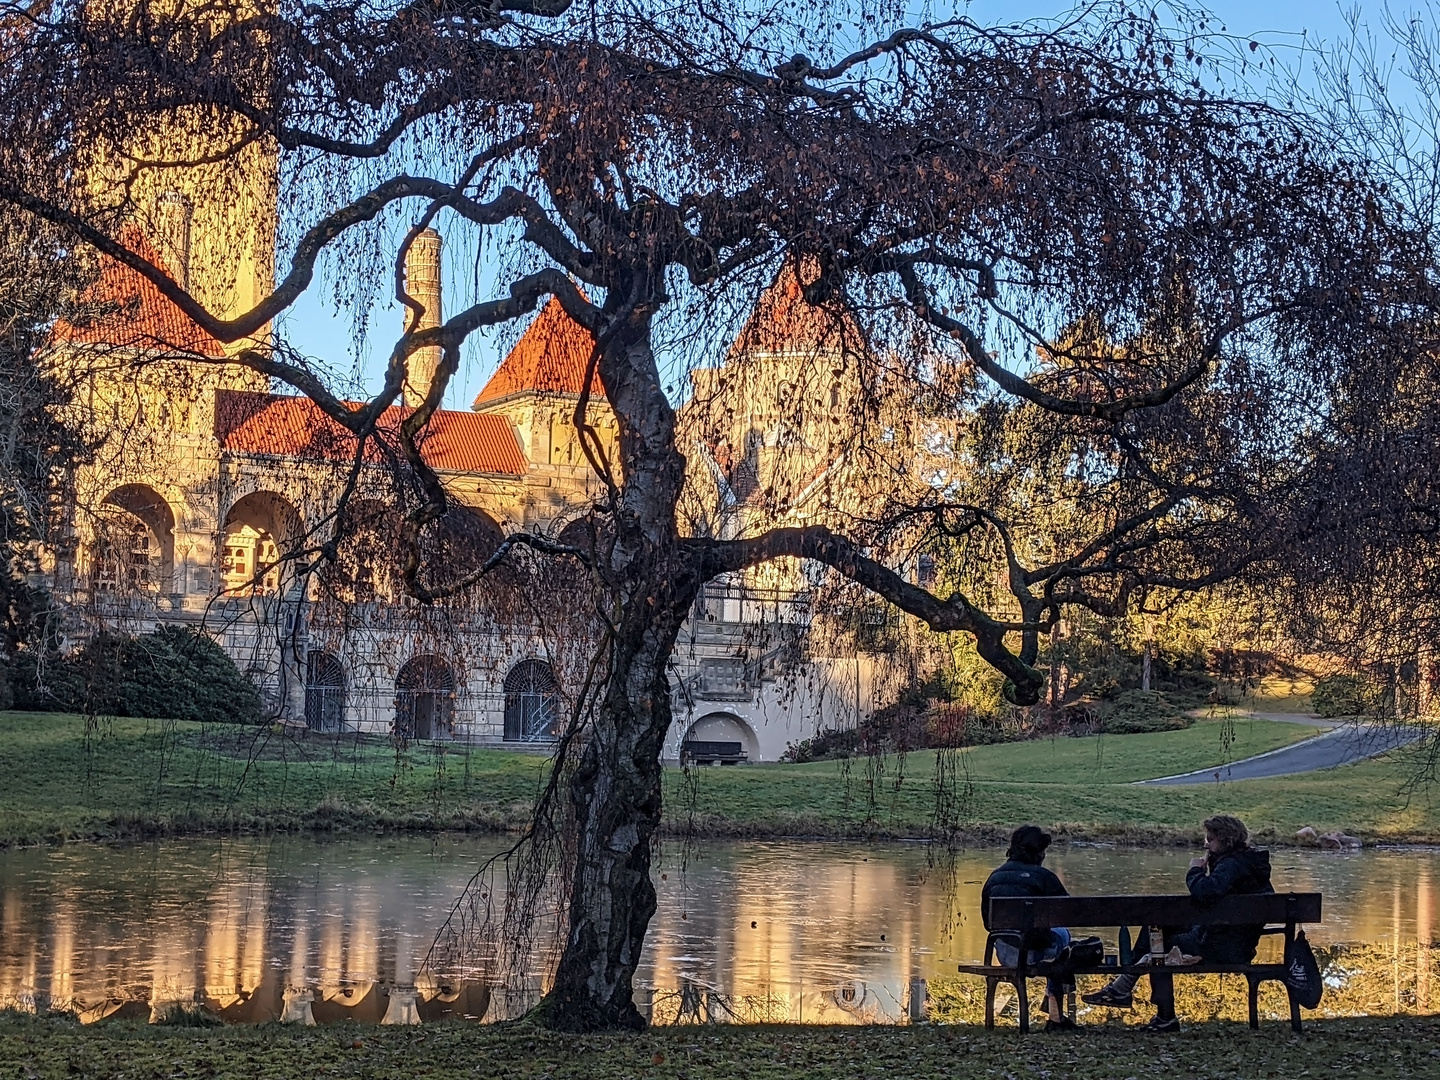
{"x":1339,"y":746}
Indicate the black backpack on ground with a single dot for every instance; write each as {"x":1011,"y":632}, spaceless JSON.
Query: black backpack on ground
{"x":1302,"y":973}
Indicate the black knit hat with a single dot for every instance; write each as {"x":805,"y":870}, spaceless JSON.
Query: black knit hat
{"x":1028,"y":844}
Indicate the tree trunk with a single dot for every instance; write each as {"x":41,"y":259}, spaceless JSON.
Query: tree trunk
{"x":616,"y":789}
{"x":1148,"y":654}
{"x":1425,"y":686}
{"x":616,"y":792}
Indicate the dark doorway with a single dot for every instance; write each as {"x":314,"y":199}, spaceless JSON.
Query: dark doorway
{"x":532,"y":705}
{"x":324,"y":692}
{"x":425,"y":699}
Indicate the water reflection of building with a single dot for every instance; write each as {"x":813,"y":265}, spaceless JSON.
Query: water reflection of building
{"x":755,"y":933}
{"x":757,"y":951}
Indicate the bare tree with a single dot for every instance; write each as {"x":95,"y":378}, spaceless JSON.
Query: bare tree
{"x":1361,"y":577}
{"x":962,"y":195}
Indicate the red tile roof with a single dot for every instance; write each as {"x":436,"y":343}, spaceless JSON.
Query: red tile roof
{"x":296,"y":427}
{"x":784,"y":322}
{"x":141,"y":317}
{"x":550,"y":358}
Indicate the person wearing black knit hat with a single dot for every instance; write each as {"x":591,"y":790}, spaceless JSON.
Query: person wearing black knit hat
{"x":1023,"y":875}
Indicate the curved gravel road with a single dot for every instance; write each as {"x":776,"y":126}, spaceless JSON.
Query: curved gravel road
{"x":1340,"y":746}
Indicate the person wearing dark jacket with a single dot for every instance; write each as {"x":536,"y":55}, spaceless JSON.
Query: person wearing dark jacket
{"x":1023,"y":875}
{"x":1229,"y":867}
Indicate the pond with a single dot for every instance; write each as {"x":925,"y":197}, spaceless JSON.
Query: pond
{"x":261,"y":929}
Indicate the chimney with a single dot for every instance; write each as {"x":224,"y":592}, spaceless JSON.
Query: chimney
{"x":422,"y":281}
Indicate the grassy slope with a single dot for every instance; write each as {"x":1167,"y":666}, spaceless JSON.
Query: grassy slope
{"x":133,"y":776}
{"x":1280,"y":693}
{"x":55,"y":1050}
{"x":136,"y":777}
{"x":1081,"y":786}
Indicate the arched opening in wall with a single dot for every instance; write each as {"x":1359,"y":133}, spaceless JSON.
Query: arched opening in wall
{"x":425,"y":699}
{"x":365,"y":568}
{"x":532,"y":703}
{"x":134,"y":541}
{"x":258,"y":529}
{"x":567,"y":573}
{"x":173,"y":215}
{"x":719,"y":739}
{"x":324,"y":692}
{"x":458,"y":543}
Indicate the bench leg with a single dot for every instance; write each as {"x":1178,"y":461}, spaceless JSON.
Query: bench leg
{"x":990,"y":984}
{"x":1294,"y":1011}
{"x":1254,"y":982}
{"x":1070,"y":1005}
{"x":1023,"y":993}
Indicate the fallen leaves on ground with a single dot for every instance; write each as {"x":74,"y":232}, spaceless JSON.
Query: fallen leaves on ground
{"x":61,"y":1049}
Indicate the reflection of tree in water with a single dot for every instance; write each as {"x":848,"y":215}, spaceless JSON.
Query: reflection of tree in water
{"x":692,"y":1003}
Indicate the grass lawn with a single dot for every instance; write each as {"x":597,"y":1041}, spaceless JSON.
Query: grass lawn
{"x":1280,"y":694}
{"x":1081,"y":787}
{"x":57,"y":1050}
{"x":128,"y":778}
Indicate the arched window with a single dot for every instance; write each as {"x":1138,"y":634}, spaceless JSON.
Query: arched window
{"x":364,"y":568}
{"x":173,"y":213}
{"x":134,"y":541}
{"x":425,"y":699}
{"x":532,"y":703}
{"x":324,"y":692}
{"x":256,"y":529}
{"x":459,"y":542}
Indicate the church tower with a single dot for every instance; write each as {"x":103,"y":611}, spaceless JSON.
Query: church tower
{"x":194,"y":180}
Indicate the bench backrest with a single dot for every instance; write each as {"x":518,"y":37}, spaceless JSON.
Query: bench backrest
{"x":1028,"y":913}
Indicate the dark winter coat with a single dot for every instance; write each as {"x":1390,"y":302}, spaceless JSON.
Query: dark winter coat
{"x":1243,"y":871}
{"x":1017,"y":878}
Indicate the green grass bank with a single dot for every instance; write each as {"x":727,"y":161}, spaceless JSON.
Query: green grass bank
{"x":61,"y":778}
{"x":44,"y":1049}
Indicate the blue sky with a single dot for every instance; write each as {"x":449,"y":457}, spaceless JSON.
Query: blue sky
{"x":318,"y":329}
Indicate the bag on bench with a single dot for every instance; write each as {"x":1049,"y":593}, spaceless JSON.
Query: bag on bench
{"x":1302,"y":973}
{"x":1082,"y":952}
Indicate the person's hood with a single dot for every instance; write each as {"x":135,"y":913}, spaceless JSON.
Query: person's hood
{"x":1255,"y":860}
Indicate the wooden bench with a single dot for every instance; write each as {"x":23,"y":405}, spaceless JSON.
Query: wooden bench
{"x":701,"y":752}
{"x":1010,"y":915}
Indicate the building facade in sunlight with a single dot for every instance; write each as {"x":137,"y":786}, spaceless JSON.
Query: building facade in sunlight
{"x":205,"y":479}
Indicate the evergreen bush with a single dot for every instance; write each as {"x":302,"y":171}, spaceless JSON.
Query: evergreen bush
{"x":174,"y":673}
{"x":1341,"y":695}
{"x":1137,"y":712}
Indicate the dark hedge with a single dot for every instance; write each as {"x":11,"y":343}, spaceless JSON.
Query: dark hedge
{"x":174,"y":673}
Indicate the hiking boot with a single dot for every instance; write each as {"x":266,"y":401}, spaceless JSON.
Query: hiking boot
{"x":1169,"y":1026}
{"x":1115,"y":999}
{"x":1063,"y":1024}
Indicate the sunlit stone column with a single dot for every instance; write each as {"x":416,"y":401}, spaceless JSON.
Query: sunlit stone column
{"x":299,"y":996}
{"x":1422,"y":940}
{"x":422,"y":281}
{"x":403,"y":1007}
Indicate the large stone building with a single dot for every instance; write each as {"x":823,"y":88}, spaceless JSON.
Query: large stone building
{"x":204,"y":477}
